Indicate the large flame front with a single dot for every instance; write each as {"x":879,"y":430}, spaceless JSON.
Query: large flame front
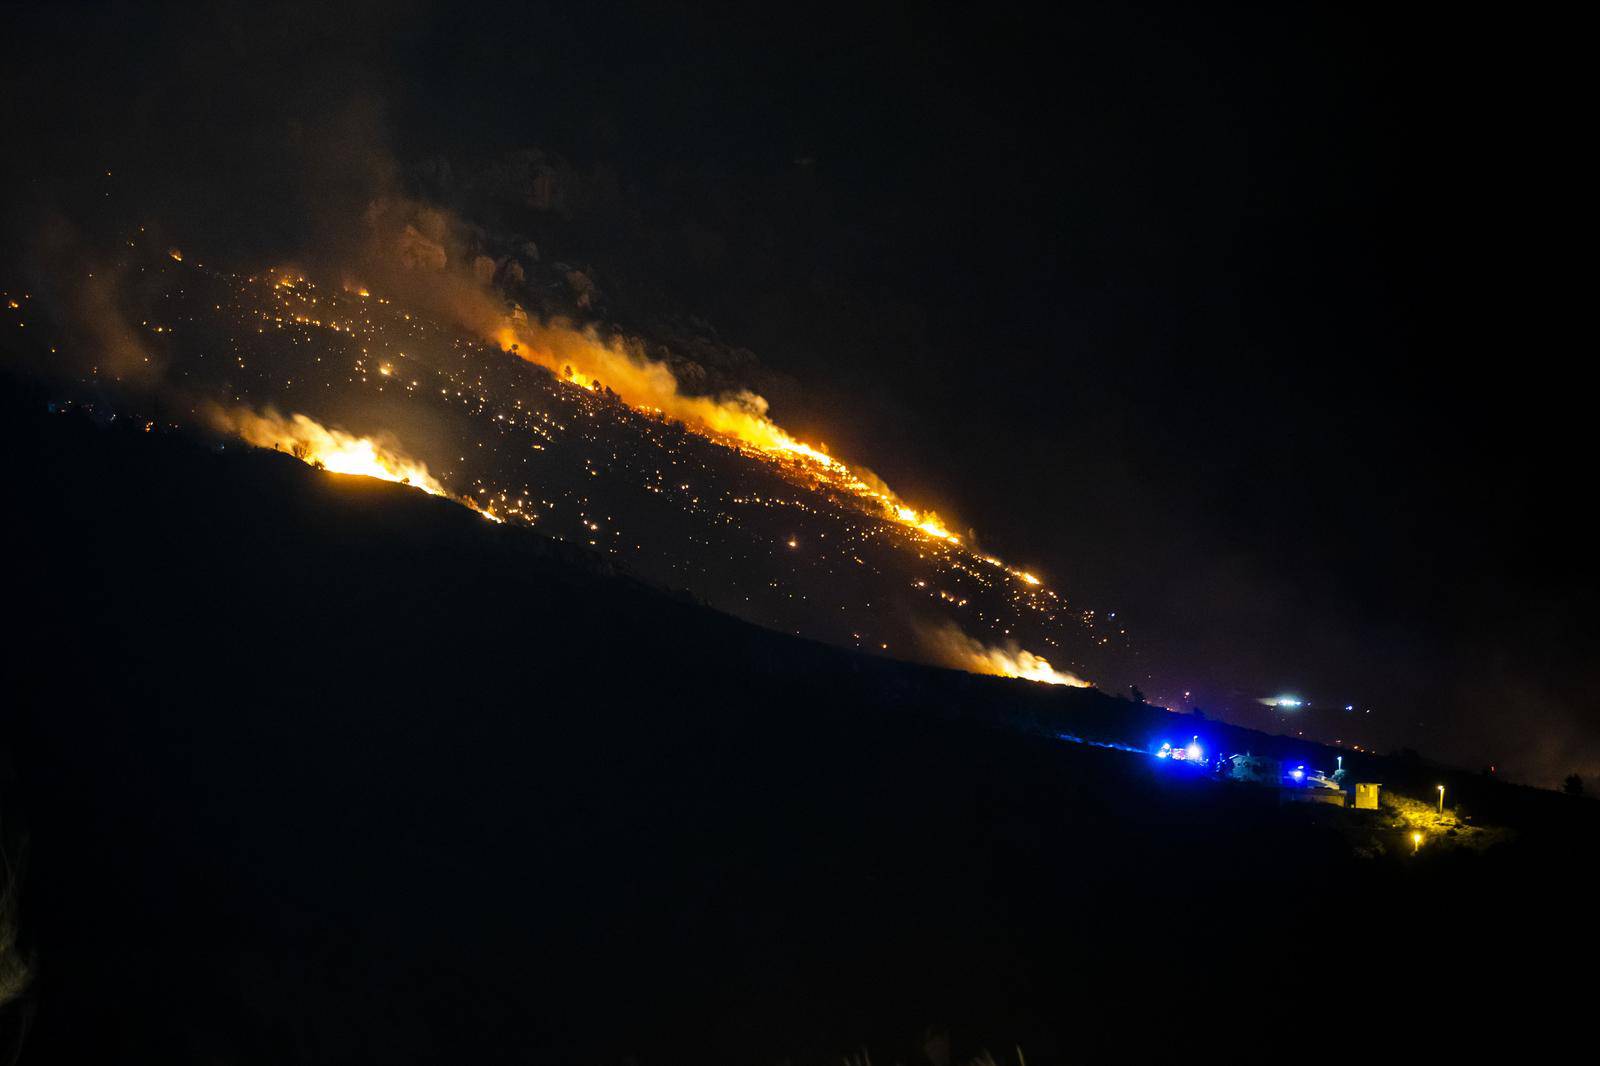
{"x":588,"y":361}
{"x":954,"y":648}
{"x":585,"y":359}
{"x":332,"y":449}
{"x":421,"y":248}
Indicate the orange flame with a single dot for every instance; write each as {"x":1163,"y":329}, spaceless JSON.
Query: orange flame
{"x":332,"y":449}
{"x":953,"y":648}
{"x":417,"y":242}
{"x":588,"y":362}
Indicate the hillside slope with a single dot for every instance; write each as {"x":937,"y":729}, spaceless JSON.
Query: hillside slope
{"x":319,"y":769}
{"x":771,"y":536}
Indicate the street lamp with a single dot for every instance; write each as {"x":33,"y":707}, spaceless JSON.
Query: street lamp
{"x":1441,"y":800}
{"x":1416,"y":842}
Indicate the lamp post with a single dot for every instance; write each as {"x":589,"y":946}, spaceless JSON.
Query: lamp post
{"x":1416,"y":842}
{"x":1441,"y":800}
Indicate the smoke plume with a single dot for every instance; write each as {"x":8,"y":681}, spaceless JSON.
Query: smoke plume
{"x":949,"y":646}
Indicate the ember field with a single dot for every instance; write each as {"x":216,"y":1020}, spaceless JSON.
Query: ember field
{"x":771,"y":539}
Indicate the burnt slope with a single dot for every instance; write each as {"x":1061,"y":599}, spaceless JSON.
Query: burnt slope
{"x":761,"y":539}
{"x":322,"y":770}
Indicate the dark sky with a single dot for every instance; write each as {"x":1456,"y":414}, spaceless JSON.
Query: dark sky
{"x":1251,"y":324}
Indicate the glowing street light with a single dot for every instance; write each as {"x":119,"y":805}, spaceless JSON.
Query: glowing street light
{"x":1416,"y":842}
{"x":1441,"y":799}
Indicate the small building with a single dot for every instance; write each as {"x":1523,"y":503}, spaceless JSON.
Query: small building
{"x":1367,"y":795}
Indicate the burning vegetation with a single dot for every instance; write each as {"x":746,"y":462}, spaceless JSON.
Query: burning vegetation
{"x":421,"y":250}
{"x":330,"y":449}
{"x":556,"y":426}
{"x":954,"y":648}
{"x":590,"y":363}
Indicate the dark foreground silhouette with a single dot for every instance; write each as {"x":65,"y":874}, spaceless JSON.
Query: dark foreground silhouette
{"x":316,"y":769}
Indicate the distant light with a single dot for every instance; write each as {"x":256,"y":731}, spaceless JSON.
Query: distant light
{"x":1283,"y":701}
{"x":1349,"y":706}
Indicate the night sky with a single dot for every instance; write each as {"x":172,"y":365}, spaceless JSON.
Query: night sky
{"x":1254,"y":326}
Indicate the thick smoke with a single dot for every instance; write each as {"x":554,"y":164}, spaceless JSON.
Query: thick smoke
{"x":432,"y":260}
{"x":93,"y":302}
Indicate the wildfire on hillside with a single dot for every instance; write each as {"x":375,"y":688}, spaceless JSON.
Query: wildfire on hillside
{"x":421,"y":250}
{"x":330,"y":449}
{"x":597,"y":446}
{"x":955,"y":649}
{"x":334,"y":450}
{"x":589,"y":362}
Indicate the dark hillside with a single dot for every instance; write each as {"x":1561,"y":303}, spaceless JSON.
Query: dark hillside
{"x":318,"y":769}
